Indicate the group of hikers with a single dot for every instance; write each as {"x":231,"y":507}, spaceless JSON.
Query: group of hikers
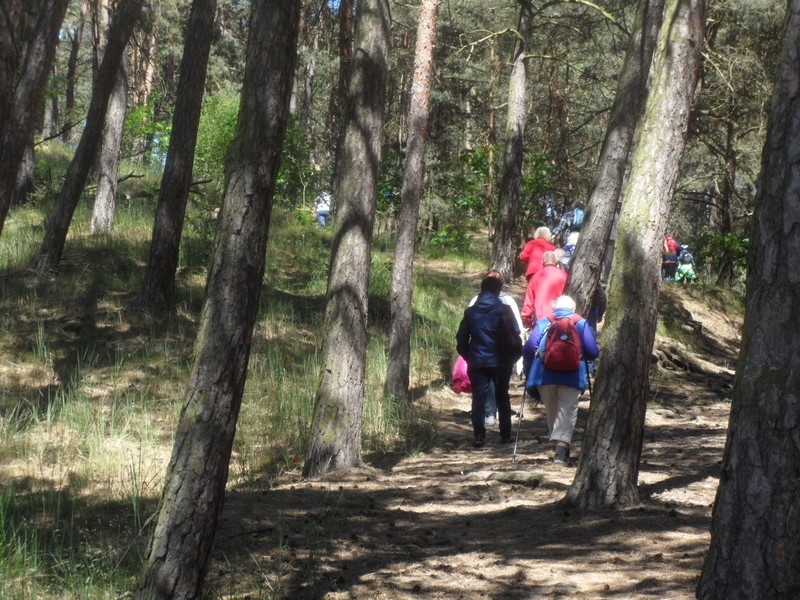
{"x":551,"y":346}
{"x":677,"y":263}
{"x":559,"y":349}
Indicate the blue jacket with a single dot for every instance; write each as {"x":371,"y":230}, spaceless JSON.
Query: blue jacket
{"x":532,"y":361}
{"x":475,"y":340}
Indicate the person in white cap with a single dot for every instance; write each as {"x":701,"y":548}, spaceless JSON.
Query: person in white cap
{"x":554,"y":358}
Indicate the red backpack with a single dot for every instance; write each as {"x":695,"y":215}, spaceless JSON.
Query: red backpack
{"x":562,"y":344}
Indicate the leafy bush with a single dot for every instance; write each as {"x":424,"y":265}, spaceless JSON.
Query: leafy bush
{"x":218,"y":120}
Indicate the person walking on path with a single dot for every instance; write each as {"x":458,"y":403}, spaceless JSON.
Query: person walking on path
{"x":534,"y":250}
{"x":490,"y":414}
{"x":559,"y":389}
{"x":480,"y":341}
{"x":543,"y":288}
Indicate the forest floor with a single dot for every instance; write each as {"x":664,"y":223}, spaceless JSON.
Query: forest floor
{"x":467,"y":523}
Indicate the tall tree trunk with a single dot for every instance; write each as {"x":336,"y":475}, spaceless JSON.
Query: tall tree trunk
{"x":75,"y":179}
{"x":50,"y":116}
{"x":505,"y":242}
{"x":608,"y":467}
{"x":586,"y":267}
{"x":198,"y":472}
{"x":18,"y":125}
{"x":755,"y":528}
{"x":162,"y":263}
{"x":12,"y":23}
{"x":72,"y":68}
{"x":338,"y":98}
{"x":105,"y":200}
{"x":399,"y":361}
{"x":336,"y":429}
{"x":25,"y":184}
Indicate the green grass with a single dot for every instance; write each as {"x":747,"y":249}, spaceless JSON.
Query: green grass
{"x":91,"y":387}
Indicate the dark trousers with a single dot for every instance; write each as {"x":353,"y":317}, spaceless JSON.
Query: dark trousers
{"x":481,"y":379}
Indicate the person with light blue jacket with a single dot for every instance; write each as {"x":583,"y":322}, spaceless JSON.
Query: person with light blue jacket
{"x":559,"y":390}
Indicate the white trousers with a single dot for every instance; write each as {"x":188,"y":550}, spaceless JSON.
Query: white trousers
{"x":561,"y":407}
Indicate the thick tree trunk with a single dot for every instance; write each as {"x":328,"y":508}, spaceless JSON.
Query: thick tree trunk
{"x":19,"y":122}
{"x":505,"y":241}
{"x":198,"y":471}
{"x":105,"y":200}
{"x":336,"y":429}
{"x":75,"y":179}
{"x":608,"y":467}
{"x":586,"y":267}
{"x":754,"y":551}
{"x":162,"y":263}
{"x":338,"y":98}
{"x":399,"y":360}
{"x":12,"y":22}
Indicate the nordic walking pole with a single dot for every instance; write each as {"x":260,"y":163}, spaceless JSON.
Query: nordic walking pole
{"x":588,"y":377}
{"x":519,"y":423}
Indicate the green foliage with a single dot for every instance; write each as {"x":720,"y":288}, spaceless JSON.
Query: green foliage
{"x":142,"y":124}
{"x":536,"y":181}
{"x":723,"y":253}
{"x":218,"y":120}
{"x":449,"y":238}
{"x":296,"y":172}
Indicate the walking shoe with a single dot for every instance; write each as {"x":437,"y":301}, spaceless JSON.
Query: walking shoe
{"x":478,"y":441}
{"x":506,"y":439}
{"x":561,"y":456}
{"x":489,"y":421}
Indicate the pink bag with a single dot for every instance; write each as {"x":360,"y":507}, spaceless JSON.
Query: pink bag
{"x":461,"y":381}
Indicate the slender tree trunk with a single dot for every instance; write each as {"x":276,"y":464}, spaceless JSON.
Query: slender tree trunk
{"x":399,"y":361}
{"x":72,"y":67}
{"x":755,"y":529}
{"x":19,"y":122}
{"x":336,"y":429}
{"x":587,"y":264}
{"x":25,"y":181}
{"x":338,"y":99}
{"x":50,"y":116}
{"x":75,"y":179}
{"x":105,"y":200}
{"x":608,"y":467}
{"x":195,"y":483}
{"x":505,"y":242}
{"x":162,"y":263}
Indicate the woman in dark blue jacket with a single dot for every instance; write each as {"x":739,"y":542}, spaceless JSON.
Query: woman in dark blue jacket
{"x":477,"y":342}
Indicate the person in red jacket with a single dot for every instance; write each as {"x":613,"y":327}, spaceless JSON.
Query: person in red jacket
{"x":543,"y":288}
{"x":534,"y":250}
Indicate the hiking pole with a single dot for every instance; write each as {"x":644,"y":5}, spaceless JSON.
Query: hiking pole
{"x":519,"y":423}
{"x":588,"y":378}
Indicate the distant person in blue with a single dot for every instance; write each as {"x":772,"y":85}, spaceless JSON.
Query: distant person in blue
{"x":323,"y":208}
{"x":559,"y":390}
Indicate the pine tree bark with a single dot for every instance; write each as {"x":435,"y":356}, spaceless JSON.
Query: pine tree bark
{"x":198,"y":471}
{"x":398,"y":370}
{"x":105,"y":200}
{"x":755,"y":528}
{"x":336,"y":429}
{"x":12,"y":46}
{"x":162,"y":263}
{"x":75,"y":179}
{"x":72,"y":69}
{"x":586,"y":267}
{"x":608,"y":467}
{"x":505,"y":241}
{"x":17,"y":128}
